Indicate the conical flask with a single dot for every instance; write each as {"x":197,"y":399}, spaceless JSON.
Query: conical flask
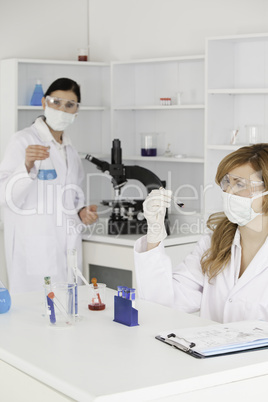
{"x":47,"y":170}
{"x":38,"y":93}
{"x":5,"y":299}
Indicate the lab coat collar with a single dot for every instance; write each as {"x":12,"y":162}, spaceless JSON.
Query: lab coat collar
{"x":45,"y":134}
{"x":237,"y":238}
{"x":256,"y":266}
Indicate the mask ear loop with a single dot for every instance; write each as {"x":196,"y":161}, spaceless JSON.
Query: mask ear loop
{"x":260,"y":195}
{"x":256,"y":197}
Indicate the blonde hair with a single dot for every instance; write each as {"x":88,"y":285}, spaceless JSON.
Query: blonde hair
{"x":215,"y":259}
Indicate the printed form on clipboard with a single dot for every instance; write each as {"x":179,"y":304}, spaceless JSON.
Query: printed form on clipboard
{"x":218,"y":339}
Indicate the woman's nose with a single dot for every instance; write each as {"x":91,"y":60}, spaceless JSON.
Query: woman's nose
{"x":229,"y":190}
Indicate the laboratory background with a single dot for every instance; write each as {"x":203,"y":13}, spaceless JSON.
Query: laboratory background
{"x":154,"y":65}
{"x":168,"y":89}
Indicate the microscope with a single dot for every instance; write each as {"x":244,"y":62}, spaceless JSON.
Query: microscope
{"x":127,"y":215}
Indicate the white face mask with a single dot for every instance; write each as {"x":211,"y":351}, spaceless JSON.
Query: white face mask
{"x":238,"y":209}
{"x":58,"y":120}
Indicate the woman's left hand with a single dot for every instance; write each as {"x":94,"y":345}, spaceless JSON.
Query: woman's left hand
{"x":88,"y":215}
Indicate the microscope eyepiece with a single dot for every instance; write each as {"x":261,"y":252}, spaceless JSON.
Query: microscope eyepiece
{"x":116,"y":152}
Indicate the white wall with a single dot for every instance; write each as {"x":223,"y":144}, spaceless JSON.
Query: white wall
{"x":126,"y":29}
{"x":50,"y":29}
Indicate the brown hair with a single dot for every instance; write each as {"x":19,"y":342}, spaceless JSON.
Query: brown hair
{"x":215,"y":259}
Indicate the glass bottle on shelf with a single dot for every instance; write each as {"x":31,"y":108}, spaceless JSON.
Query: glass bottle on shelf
{"x":38,"y":93}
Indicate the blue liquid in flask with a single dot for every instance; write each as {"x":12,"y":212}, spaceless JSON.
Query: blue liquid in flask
{"x":47,"y":174}
{"x":46,"y":170}
{"x":5,"y":300}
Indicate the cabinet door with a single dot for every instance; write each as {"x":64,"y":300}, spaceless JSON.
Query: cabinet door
{"x":237,"y":95}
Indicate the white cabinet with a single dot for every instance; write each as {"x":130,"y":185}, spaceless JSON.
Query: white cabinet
{"x":122,"y":100}
{"x":236,"y":99}
{"x":121,"y":257}
{"x":91,"y":131}
{"x":137,"y":87}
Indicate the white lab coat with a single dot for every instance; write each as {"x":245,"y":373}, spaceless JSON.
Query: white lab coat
{"x":40,"y":216}
{"x":226,"y":298}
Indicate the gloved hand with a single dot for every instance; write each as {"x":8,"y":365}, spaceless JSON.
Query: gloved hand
{"x":154,"y":209}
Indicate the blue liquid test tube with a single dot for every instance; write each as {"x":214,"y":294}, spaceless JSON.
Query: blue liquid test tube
{"x":50,"y":304}
{"x":127,"y":293}
{"x":124,"y":291}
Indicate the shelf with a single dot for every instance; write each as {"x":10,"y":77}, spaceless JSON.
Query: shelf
{"x":64,"y":62}
{"x":238,"y":91}
{"x":82,"y":108}
{"x":227,"y":147}
{"x":188,"y":159}
{"x":162,"y":60}
{"x":160,"y":107}
{"x":96,"y":155}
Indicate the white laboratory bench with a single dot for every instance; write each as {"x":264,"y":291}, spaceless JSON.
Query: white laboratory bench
{"x":100,"y":360}
{"x":117,"y":251}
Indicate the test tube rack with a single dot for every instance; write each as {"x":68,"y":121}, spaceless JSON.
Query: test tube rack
{"x":124,"y":313}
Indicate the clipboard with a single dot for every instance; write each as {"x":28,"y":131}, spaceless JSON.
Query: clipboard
{"x":218,"y":339}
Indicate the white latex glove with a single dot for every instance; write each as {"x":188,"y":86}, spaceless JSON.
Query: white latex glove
{"x":154,"y":209}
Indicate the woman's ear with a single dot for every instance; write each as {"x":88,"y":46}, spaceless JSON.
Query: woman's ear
{"x":43,"y":102}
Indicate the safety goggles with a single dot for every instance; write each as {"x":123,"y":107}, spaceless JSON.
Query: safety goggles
{"x":241,"y":186}
{"x":68,"y":106}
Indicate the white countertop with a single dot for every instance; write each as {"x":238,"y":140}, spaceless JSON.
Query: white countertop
{"x":101,"y":360}
{"x":99,"y":233}
{"x":129,"y":240}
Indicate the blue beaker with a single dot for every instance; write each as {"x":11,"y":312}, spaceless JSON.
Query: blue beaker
{"x":5,"y":299}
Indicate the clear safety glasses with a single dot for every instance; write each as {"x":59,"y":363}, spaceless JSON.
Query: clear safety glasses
{"x":241,"y":186}
{"x":68,"y":106}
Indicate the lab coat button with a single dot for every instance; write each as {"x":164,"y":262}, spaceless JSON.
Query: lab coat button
{"x":230,"y":300}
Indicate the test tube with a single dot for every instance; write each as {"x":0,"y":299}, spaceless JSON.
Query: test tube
{"x":120,"y":291}
{"x":50,"y":304}
{"x":124,"y":291}
{"x":132,"y":296}
{"x":58,"y":304}
{"x":127,"y":293}
{"x":72,"y":267}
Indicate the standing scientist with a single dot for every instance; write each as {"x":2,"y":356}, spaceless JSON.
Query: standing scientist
{"x":41,"y":212}
{"x":226,"y":276}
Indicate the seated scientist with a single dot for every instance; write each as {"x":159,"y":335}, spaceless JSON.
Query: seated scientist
{"x":226,"y":276}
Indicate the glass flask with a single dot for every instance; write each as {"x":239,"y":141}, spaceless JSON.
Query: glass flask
{"x":5,"y":299}
{"x":47,"y":170}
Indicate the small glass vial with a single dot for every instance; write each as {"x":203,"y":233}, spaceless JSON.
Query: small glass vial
{"x":82,"y":54}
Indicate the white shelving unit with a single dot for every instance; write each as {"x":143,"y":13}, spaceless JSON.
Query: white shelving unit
{"x":122,"y":100}
{"x":236,"y":97}
{"x":137,"y":87}
{"x":18,"y":79}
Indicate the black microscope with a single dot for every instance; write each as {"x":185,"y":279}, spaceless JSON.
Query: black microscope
{"x":127,"y":215}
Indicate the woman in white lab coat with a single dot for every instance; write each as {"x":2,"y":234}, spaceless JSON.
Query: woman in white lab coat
{"x":226,"y":276}
{"x":42,"y":212}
